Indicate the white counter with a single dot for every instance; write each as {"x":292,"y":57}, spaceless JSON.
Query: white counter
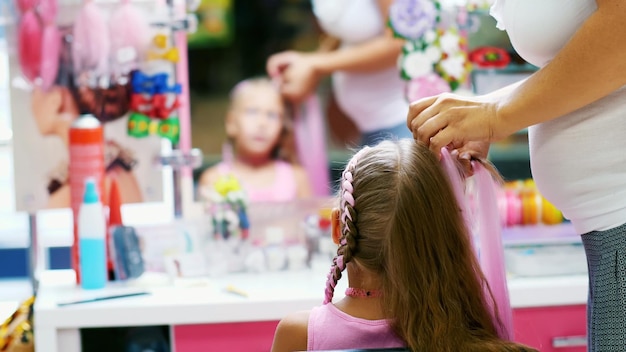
{"x":270,"y":296}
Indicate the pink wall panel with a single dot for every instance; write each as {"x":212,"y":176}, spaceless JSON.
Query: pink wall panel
{"x":248,"y":337}
{"x":541,"y":327}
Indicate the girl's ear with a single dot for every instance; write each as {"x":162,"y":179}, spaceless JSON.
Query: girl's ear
{"x":231,"y":124}
{"x":335,"y":225}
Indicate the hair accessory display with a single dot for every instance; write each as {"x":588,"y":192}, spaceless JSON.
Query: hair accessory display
{"x":140,"y":125}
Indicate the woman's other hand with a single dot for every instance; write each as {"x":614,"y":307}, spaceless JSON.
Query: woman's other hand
{"x":453,"y":121}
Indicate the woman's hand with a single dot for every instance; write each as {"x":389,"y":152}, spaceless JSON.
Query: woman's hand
{"x":452,"y":121}
{"x":300,"y":79}
{"x":470,"y":151}
{"x":296,"y":72}
{"x":277,"y":63}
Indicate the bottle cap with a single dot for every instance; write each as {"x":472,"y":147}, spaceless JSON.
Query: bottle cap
{"x":91,"y":192}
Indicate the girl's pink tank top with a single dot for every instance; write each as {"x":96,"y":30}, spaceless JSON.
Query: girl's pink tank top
{"x":331,"y":329}
{"x":283,"y":189}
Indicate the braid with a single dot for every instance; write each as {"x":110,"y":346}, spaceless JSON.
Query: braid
{"x":349,"y":232}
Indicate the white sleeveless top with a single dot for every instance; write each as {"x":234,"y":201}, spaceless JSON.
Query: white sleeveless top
{"x":373,"y":100}
{"x":578,"y":160}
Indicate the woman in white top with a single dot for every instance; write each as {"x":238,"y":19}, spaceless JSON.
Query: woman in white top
{"x":575,"y":105}
{"x":366,"y":81}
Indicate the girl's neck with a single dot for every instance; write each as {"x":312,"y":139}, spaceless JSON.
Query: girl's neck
{"x":252,"y":161}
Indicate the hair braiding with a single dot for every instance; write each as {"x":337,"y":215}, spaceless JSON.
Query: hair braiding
{"x":349,"y":233}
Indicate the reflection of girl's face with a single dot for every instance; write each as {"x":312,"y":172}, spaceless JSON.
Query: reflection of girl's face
{"x":53,"y":109}
{"x":257,"y":121}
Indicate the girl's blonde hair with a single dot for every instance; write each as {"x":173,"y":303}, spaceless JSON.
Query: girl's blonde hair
{"x":401,"y":221}
{"x":285,"y":149}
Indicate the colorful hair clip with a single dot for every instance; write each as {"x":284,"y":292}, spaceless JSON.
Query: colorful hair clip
{"x":156,"y":84}
{"x":160,"y":41}
{"x":170,"y":55}
{"x":140,"y":126}
{"x":161,"y":108}
{"x":140,"y":103}
{"x":158,"y":106}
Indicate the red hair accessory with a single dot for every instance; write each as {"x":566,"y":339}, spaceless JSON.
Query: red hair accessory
{"x":157,"y":106}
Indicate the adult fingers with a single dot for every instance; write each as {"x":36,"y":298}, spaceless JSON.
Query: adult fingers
{"x":416,"y":108}
{"x":443,"y":138}
{"x":430,"y":121}
{"x":277,"y":63}
{"x":464,"y":161}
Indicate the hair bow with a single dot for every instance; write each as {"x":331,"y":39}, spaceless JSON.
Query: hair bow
{"x":155,"y":106}
{"x":156,"y":84}
{"x":140,"y":125}
{"x":170,"y":55}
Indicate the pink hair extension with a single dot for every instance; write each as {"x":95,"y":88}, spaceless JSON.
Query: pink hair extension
{"x":129,"y":28}
{"x":30,"y":38}
{"x":91,"y":46}
{"x":311,"y":144}
{"x":489,"y":236}
{"x":331,"y":280}
{"x":347,"y":197}
{"x":484,"y":228}
{"x":51,"y":46}
{"x":47,"y":10}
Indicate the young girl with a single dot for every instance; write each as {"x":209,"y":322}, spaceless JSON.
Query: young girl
{"x":257,"y":128}
{"x":413,"y":278}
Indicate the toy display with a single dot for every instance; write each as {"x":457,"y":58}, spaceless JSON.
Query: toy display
{"x":521,"y":204}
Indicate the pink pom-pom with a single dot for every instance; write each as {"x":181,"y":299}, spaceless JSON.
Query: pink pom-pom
{"x":129,"y":30}
{"x":91,"y":46}
{"x":29,"y":45}
{"x":426,"y":86}
{"x":51,"y":46}
{"x":48,"y":11}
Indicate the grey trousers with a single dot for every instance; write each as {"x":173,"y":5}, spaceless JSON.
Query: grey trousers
{"x":606,"y":306}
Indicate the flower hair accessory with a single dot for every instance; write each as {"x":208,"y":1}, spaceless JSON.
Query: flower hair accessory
{"x":434,"y":58}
